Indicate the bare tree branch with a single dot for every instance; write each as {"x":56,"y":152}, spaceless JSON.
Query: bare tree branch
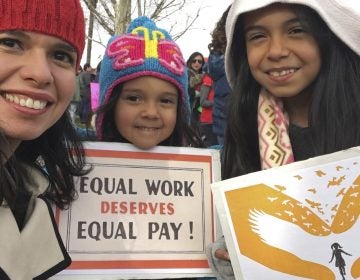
{"x":101,"y":19}
{"x":158,"y":9}
{"x":139,"y":7}
{"x":113,"y":16}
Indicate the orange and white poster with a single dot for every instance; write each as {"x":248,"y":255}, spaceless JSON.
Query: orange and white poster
{"x":299,"y":221}
{"x":141,"y":214}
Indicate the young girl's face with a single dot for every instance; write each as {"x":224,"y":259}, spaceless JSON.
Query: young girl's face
{"x":282,"y":54}
{"x":145,"y":113}
{"x":37,"y":82}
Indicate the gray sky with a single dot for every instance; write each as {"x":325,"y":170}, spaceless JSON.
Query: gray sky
{"x":196,"y":39}
{"x":199,"y":38}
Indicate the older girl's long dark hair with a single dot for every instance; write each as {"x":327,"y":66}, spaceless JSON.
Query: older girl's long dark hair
{"x":334,"y":113}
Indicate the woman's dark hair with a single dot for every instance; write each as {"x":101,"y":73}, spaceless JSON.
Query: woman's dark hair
{"x":57,"y":154}
{"x":183,"y":134}
{"x":218,"y":40}
{"x":334,"y":117}
{"x":191,"y":58}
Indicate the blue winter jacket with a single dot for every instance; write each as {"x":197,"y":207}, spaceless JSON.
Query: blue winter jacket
{"x":222,"y":92}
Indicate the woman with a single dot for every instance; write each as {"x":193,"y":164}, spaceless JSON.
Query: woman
{"x":41,"y":44}
{"x":195,"y":65}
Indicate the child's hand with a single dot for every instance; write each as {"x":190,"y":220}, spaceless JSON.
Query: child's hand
{"x":222,"y":254}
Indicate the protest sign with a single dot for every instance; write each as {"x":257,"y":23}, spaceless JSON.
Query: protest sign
{"x":95,"y":93}
{"x":299,"y":221}
{"x":141,"y":214}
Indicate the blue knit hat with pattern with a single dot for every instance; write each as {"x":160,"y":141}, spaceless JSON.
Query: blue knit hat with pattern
{"x":144,"y":50}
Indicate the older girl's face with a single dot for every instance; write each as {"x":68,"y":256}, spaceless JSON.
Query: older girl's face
{"x":37,"y":82}
{"x":282,"y":54}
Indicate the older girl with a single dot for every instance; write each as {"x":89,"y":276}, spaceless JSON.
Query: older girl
{"x":294,"y":68}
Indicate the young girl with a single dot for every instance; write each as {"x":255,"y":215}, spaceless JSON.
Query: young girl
{"x":143,"y":90}
{"x":41,"y":43}
{"x":295,"y":74}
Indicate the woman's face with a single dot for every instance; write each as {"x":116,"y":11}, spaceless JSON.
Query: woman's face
{"x":146,"y":110}
{"x":197,"y":62}
{"x":37,"y":82}
{"x":282,"y":54}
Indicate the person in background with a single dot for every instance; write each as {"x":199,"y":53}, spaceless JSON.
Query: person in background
{"x":206,"y":115}
{"x":221,"y":86}
{"x":74,"y":105}
{"x":95,"y":92}
{"x":85,"y":78}
{"x":41,"y":44}
{"x":143,"y":95}
{"x":294,"y":69}
{"x":195,"y":65}
{"x":97,"y":75}
{"x":85,"y":130}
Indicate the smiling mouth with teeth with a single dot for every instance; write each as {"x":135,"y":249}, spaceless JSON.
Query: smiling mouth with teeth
{"x":282,"y":72}
{"x":147,"y":128}
{"x":25,"y":101}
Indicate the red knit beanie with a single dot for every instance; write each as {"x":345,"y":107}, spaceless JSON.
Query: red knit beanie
{"x":60,"y":18}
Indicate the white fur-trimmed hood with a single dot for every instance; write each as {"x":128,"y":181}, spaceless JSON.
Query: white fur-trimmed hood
{"x":342,"y":17}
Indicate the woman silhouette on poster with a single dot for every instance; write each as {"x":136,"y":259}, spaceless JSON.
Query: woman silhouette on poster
{"x":339,"y":261}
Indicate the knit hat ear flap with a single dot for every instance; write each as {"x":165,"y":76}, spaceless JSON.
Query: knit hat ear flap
{"x":60,"y":18}
{"x":145,"y":50}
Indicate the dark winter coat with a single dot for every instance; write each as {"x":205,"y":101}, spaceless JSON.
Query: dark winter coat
{"x":222,"y":92}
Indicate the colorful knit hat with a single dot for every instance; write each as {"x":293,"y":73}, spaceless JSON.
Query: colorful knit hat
{"x":60,"y":18}
{"x":144,"y":50}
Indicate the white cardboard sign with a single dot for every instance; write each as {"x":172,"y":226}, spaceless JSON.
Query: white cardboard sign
{"x":299,"y":221}
{"x":141,"y":214}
